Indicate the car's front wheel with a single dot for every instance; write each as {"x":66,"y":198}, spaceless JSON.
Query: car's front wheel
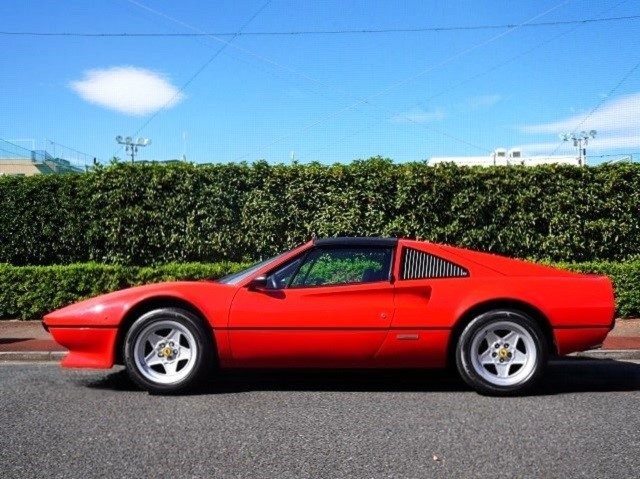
{"x":501,"y":352}
{"x":167,"y":350}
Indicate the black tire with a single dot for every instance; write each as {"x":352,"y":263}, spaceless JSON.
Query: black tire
{"x":201,"y":364}
{"x":482,"y":377}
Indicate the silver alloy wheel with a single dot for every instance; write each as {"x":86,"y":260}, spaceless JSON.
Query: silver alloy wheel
{"x":504,"y":353}
{"x":165,"y":352}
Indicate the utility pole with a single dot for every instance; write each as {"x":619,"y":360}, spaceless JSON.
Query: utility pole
{"x":580,"y":141}
{"x":131,"y":146}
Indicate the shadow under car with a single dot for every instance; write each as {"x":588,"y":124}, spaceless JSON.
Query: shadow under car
{"x":565,"y":375}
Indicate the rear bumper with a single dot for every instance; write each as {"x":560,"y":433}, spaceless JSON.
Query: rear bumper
{"x":569,"y":340}
{"x":88,"y":347}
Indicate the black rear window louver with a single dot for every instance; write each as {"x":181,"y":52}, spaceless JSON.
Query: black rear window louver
{"x":418,"y":265}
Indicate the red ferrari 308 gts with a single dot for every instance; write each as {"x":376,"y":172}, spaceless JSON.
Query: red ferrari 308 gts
{"x":346,"y":303}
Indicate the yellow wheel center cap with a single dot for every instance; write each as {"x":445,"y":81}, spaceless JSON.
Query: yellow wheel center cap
{"x":167,"y":352}
{"x":503,"y":353}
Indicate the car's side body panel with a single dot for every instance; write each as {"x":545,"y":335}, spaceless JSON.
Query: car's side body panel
{"x":413,"y":348}
{"x":570,"y":302}
{"x":311,"y":325}
{"x":439,"y":303}
{"x":399,"y":323}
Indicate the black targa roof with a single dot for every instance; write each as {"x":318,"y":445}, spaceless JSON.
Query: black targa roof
{"x":356,"y":241}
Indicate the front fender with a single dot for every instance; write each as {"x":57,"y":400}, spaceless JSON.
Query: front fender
{"x":89,"y":329}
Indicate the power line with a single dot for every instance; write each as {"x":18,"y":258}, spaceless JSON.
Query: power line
{"x":624,"y":78}
{"x":71,"y":149}
{"x":322,"y":32}
{"x":8,"y":151}
{"x":497,"y":65}
{"x":235,"y":46}
{"x":30,"y":153}
{"x":202,"y":67}
{"x":17,"y":146}
{"x":509,"y":60}
{"x":48,"y":141}
{"x":630,"y":154}
{"x":360,"y":101}
{"x":503,"y":63}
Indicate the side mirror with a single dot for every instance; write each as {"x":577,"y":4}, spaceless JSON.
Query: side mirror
{"x":259,"y":282}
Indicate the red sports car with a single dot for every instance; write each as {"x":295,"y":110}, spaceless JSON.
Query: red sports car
{"x":346,"y":303}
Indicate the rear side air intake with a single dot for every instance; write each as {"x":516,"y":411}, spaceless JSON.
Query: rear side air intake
{"x":419,"y":265}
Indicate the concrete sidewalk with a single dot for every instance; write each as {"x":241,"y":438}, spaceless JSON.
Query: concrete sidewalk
{"x":623,"y":342}
{"x":28,"y":341}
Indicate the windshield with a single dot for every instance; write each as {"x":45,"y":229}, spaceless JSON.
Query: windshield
{"x":236,"y":278}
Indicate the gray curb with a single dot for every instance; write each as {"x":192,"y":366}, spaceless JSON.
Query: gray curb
{"x":31,"y":356}
{"x":40,"y":356}
{"x":609,"y":354}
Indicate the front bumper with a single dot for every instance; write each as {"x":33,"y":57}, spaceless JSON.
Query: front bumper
{"x":88,"y":347}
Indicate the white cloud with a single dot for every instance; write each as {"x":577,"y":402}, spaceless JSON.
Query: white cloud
{"x":419,"y":115}
{"x":621,"y":115}
{"x":484,"y":101}
{"x":127,"y":89}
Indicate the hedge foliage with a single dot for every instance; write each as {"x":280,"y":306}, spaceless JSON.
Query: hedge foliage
{"x":28,"y":292}
{"x":155,"y":214}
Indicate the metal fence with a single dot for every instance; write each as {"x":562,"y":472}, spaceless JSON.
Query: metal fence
{"x":11,"y":151}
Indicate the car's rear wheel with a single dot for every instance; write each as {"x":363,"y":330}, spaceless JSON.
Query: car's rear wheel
{"x":501,"y":352}
{"x":167,"y":350}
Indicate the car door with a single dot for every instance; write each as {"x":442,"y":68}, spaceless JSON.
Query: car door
{"x":329,"y":306}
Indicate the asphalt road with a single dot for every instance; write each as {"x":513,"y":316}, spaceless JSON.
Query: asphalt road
{"x":584,"y":421}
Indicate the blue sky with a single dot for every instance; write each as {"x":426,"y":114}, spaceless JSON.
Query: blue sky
{"x":407,"y":96}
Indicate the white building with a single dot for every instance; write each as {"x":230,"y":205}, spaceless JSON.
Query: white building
{"x":502,"y":157}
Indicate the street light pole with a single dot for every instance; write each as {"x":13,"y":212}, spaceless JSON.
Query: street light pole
{"x":131,"y":146}
{"x":580,"y":141}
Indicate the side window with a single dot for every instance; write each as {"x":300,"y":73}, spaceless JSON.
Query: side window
{"x":280,"y":278}
{"x":418,"y":265}
{"x":343,"y":265}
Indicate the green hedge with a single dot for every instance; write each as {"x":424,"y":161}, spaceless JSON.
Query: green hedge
{"x":28,"y":292}
{"x":156,"y":214}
